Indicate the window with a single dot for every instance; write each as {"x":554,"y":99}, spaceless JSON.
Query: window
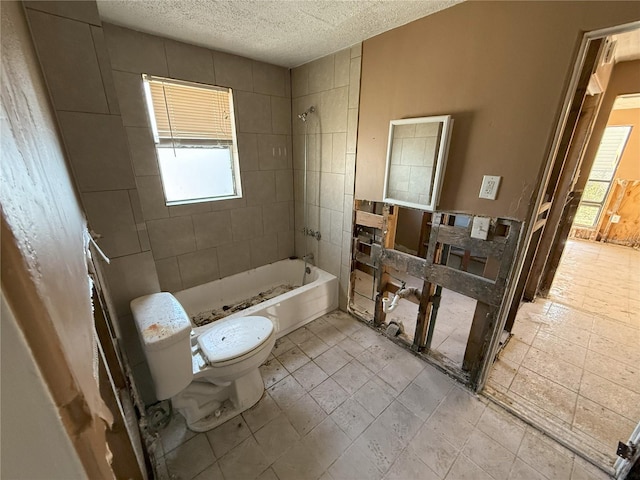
{"x":604,"y":167}
{"x":194,"y":132}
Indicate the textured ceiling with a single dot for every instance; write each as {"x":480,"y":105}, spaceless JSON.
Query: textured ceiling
{"x":286,"y":33}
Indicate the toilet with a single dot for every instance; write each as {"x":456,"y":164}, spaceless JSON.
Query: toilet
{"x":210,"y":377}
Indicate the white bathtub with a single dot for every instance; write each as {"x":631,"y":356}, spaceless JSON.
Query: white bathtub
{"x":288,"y":311}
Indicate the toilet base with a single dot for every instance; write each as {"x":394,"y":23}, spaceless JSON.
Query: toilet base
{"x":205,"y":406}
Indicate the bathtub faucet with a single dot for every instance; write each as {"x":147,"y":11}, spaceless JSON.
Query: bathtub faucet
{"x":312,"y":233}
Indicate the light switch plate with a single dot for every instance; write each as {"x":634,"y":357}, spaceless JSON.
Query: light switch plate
{"x":489,"y":188}
{"x":480,"y":227}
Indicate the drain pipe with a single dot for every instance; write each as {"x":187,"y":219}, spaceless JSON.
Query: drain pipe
{"x":389,"y":305}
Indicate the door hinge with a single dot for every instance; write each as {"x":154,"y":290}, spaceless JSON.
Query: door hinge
{"x":626,"y":451}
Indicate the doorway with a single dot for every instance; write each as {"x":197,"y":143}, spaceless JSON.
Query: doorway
{"x":570,"y":365}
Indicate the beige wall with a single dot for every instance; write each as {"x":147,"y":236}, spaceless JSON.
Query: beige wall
{"x":45,"y":283}
{"x":629,"y":166}
{"x":500,"y":68}
{"x":330,"y":84}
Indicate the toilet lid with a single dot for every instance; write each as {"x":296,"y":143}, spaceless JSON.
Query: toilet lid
{"x":234,"y":337}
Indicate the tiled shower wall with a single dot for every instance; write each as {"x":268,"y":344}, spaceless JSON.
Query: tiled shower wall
{"x":197,"y":243}
{"x":93,"y":75}
{"x":332,"y":85}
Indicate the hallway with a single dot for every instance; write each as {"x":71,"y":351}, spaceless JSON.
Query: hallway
{"x":574,"y":357}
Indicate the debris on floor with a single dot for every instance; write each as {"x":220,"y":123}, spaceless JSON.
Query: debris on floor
{"x":204,"y":318}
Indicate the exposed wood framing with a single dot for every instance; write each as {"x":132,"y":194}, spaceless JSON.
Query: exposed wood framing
{"x":369,"y":219}
{"x":562,"y":190}
{"x":499,"y":249}
{"x":425,"y":232}
{"x":390,"y":225}
{"x":620,"y":189}
{"x":424,"y":313}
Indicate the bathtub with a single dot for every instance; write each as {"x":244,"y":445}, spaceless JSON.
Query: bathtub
{"x":288,"y":311}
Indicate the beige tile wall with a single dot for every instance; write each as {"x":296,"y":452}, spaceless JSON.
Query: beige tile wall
{"x":194,"y":244}
{"x":332,"y":85}
{"x":93,"y":73}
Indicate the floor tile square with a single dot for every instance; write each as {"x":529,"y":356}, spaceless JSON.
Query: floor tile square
{"x":210,"y":473}
{"x":310,"y":376}
{"x":489,"y":455}
{"x":190,"y":458}
{"x":352,"y":418}
{"x":381,"y":446}
{"x":261,"y":413}
{"x":293,"y":359}
{"x":330,"y":335}
{"x":332,"y":360}
{"x":419,"y":401}
{"x":298,"y":464}
{"x":352,"y":376}
{"x":408,"y":466}
{"x":354,"y":464}
{"x":226,"y":436}
{"x":604,"y":425}
{"x":327,"y":442}
{"x":522,"y":471}
{"x":276,"y":437}
{"x":399,"y":420}
{"x":175,"y":433}
{"x":244,"y":462}
{"x":544,"y":393}
{"x":329,"y":395}
{"x":375,"y":396}
{"x":434,"y":450}
{"x":286,"y":392}
{"x":268,"y":474}
{"x":465,"y":469}
{"x":611,"y":396}
{"x":313,"y":347}
{"x":300,"y":335}
{"x":502,"y":427}
{"x":350,"y":346}
{"x":553,"y":368}
{"x":540,"y":453}
{"x":305,"y":414}
{"x":272,"y":371}
{"x":282,"y":345}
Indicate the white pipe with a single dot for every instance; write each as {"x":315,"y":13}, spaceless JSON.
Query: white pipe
{"x":390,"y":305}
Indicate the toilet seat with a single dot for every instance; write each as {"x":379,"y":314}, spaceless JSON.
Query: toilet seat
{"x":231,"y":340}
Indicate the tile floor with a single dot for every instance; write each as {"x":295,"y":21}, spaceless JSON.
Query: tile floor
{"x":343,"y":402}
{"x":575,"y":357}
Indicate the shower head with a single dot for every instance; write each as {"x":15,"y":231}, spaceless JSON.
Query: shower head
{"x":303,"y":115}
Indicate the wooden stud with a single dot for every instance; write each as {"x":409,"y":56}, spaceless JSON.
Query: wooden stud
{"x":369,"y":219}
{"x":424,"y":314}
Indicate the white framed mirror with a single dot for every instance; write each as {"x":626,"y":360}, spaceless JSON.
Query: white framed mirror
{"x":416,"y":160}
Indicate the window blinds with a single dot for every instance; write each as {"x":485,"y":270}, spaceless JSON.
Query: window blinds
{"x":188,"y":112}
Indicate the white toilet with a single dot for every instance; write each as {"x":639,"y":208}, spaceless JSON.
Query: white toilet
{"x":209,"y":377}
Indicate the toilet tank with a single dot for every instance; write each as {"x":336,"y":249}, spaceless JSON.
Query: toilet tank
{"x":164,"y":329}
